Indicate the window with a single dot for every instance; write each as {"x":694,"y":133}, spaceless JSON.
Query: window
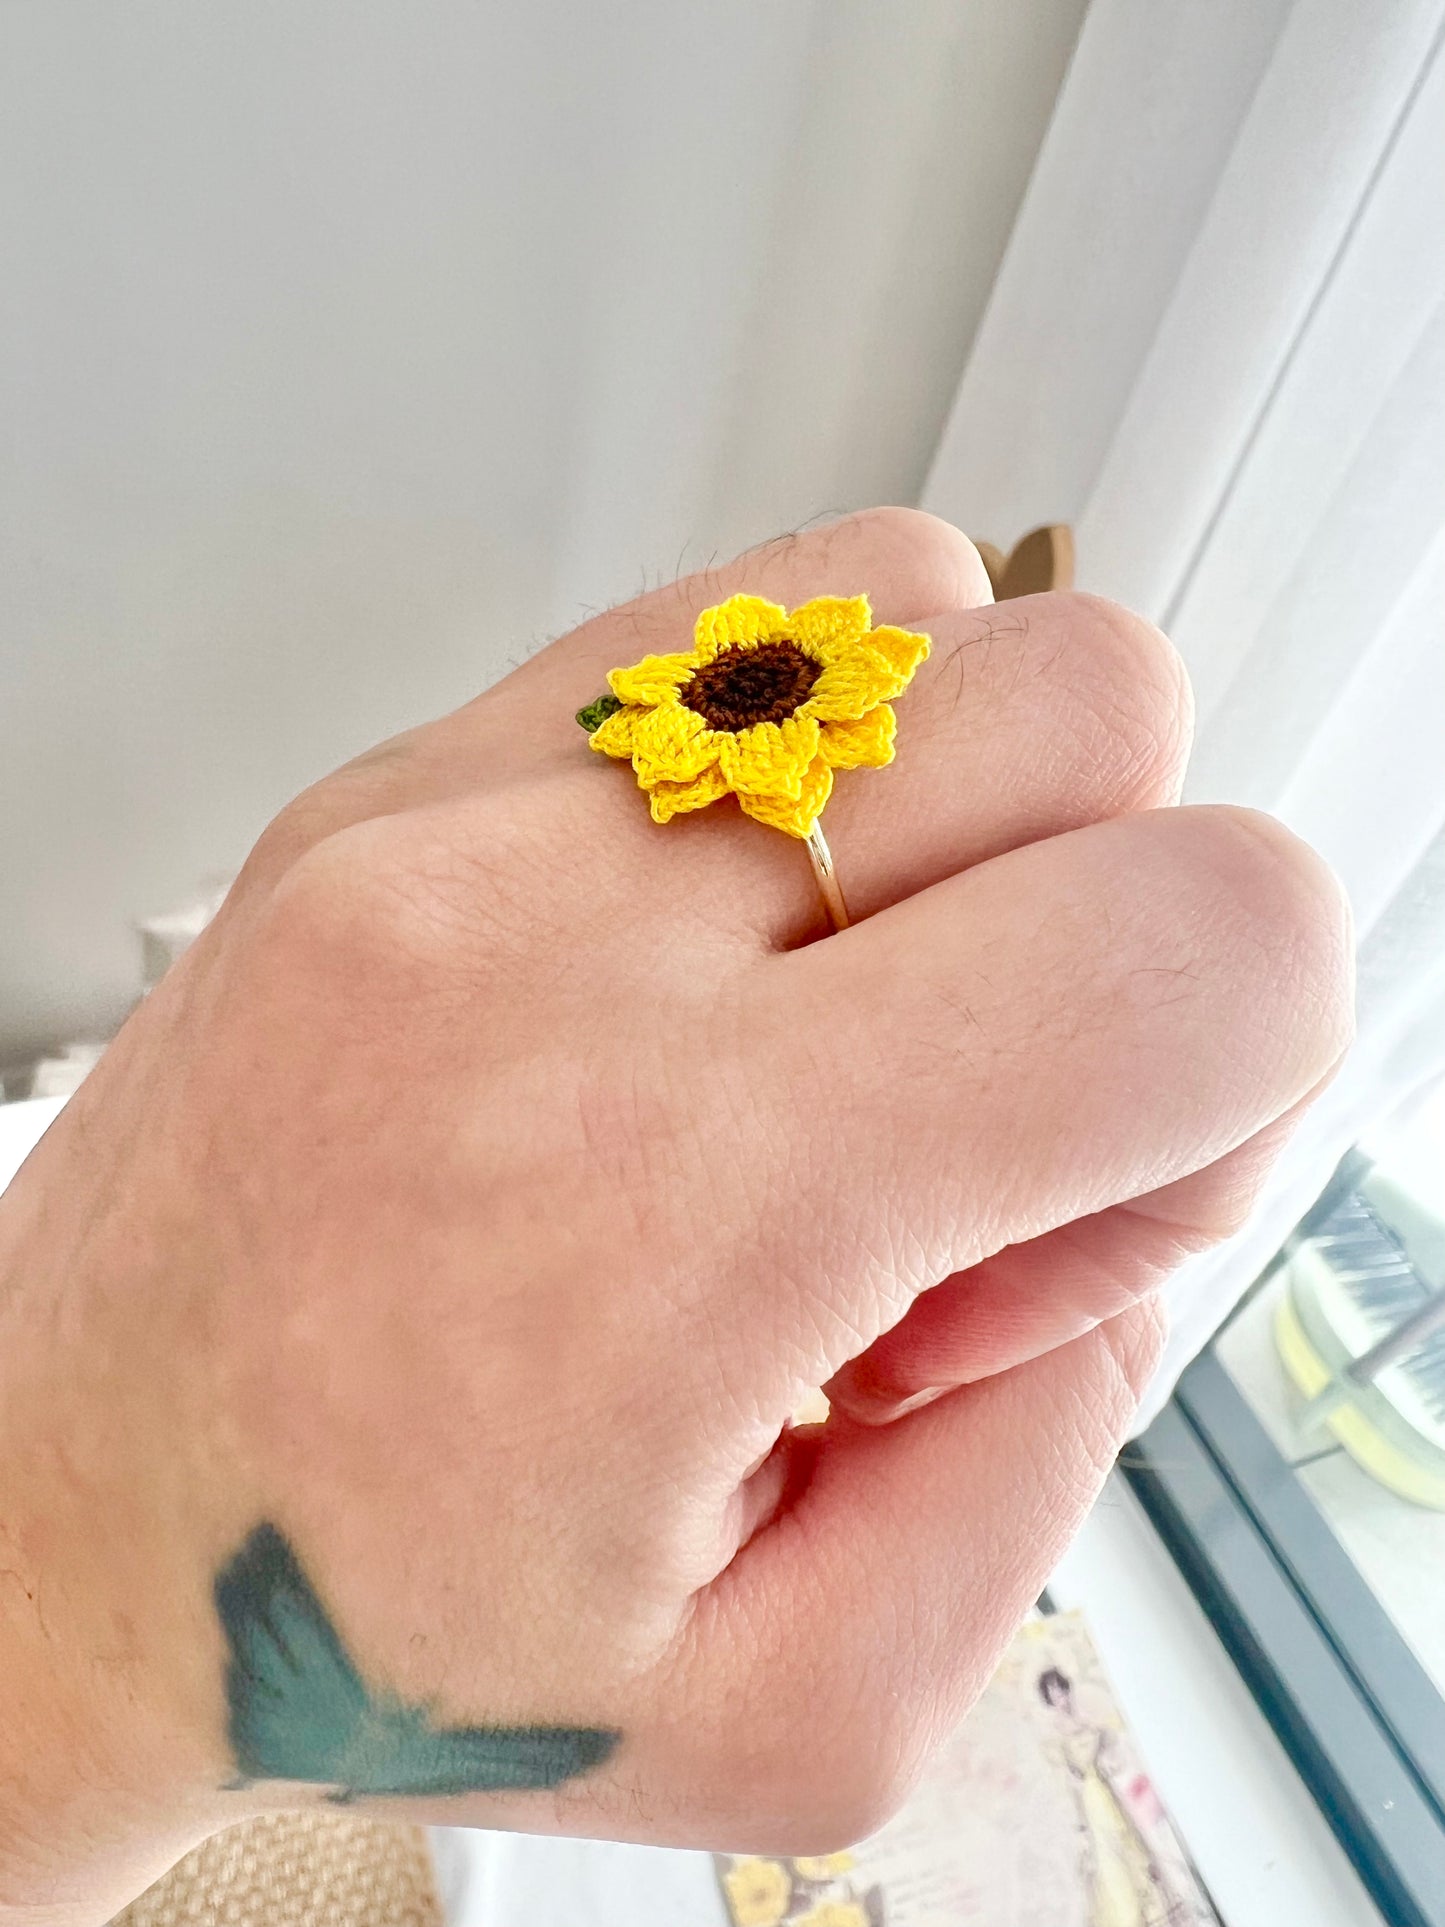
{"x":1308,"y":1512}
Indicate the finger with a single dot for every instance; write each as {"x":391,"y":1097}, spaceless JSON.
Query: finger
{"x":852,"y":1634}
{"x":1071,"y":1026}
{"x":1029,"y":1298}
{"x":912,"y":565}
{"x":1025,"y":721}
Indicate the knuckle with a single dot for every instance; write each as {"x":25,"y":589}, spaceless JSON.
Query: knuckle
{"x":1137,"y":687}
{"x":1110,"y":1370}
{"x":288,"y":836}
{"x":365,"y":901}
{"x":1283,"y":863}
{"x":318,"y":899}
{"x":358,"y":789}
{"x":1289,"y":898}
{"x":1137,"y":1338}
{"x":1130,"y":1346}
{"x":943,"y":565}
{"x":1231,"y":1209}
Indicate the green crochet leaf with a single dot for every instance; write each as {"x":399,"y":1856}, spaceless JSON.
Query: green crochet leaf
{"x":596,"y":713}
{"x":300,"y":1710}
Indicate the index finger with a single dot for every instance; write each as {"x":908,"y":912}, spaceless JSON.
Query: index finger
{"x":911,"y":565}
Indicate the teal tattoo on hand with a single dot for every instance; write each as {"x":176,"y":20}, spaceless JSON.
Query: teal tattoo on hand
{"x":300,"y":1710}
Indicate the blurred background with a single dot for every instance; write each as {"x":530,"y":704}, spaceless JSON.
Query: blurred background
{"x":352,"y":349}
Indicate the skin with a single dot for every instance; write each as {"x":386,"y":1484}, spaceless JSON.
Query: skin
{"x":484,"y":1190}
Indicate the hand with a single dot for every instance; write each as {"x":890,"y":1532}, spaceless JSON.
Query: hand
{"x":404,"y":1320}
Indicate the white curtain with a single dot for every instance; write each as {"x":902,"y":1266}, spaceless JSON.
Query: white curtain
{"x":1217,"y":347}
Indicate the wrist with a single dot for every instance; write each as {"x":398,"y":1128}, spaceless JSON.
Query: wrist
{"x":110,"y":1757}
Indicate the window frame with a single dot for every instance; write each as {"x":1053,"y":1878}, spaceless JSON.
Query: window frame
{"x":1353,"y":1706}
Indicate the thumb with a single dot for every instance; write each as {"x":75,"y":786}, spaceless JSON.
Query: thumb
{"x":855,"y":1630}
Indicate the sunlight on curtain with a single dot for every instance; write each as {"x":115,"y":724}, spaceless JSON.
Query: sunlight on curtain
{"x":1248,"y":432}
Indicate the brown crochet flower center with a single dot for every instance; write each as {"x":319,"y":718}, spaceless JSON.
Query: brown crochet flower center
{"x":762,"y":684}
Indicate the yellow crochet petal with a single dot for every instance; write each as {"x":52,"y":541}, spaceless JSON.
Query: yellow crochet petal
{"x":656,"y":679}
{"x":613,"y":737}
{"x":667,"y":800}
{"x":794,"y":814}
{"x":866,"y":743}
{"x":742,"y":618}
{"x":901,"y":650}
{"x":769,"y":759}
{"x":861,"y":676}
{"x":672,"y":745}
{"x":829,"y":625}
{"x":848,"y":690}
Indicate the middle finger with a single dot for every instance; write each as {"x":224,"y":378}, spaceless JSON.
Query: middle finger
{"x":1028,"y":719}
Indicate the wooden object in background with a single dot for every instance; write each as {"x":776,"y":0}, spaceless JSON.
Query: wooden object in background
{"x":1042,"y":559}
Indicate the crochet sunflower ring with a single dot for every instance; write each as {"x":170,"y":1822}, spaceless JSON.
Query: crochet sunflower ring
{"x":765,"y":706}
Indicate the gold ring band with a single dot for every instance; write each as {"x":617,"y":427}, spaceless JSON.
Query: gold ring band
{"x":829,"y":888}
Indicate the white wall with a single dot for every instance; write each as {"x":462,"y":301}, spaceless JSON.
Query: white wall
{"x":351,"y":347}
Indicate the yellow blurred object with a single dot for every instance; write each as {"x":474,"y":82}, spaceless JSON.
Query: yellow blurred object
{"x":758,"y":1892}
{"x":1389,"y":1463}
